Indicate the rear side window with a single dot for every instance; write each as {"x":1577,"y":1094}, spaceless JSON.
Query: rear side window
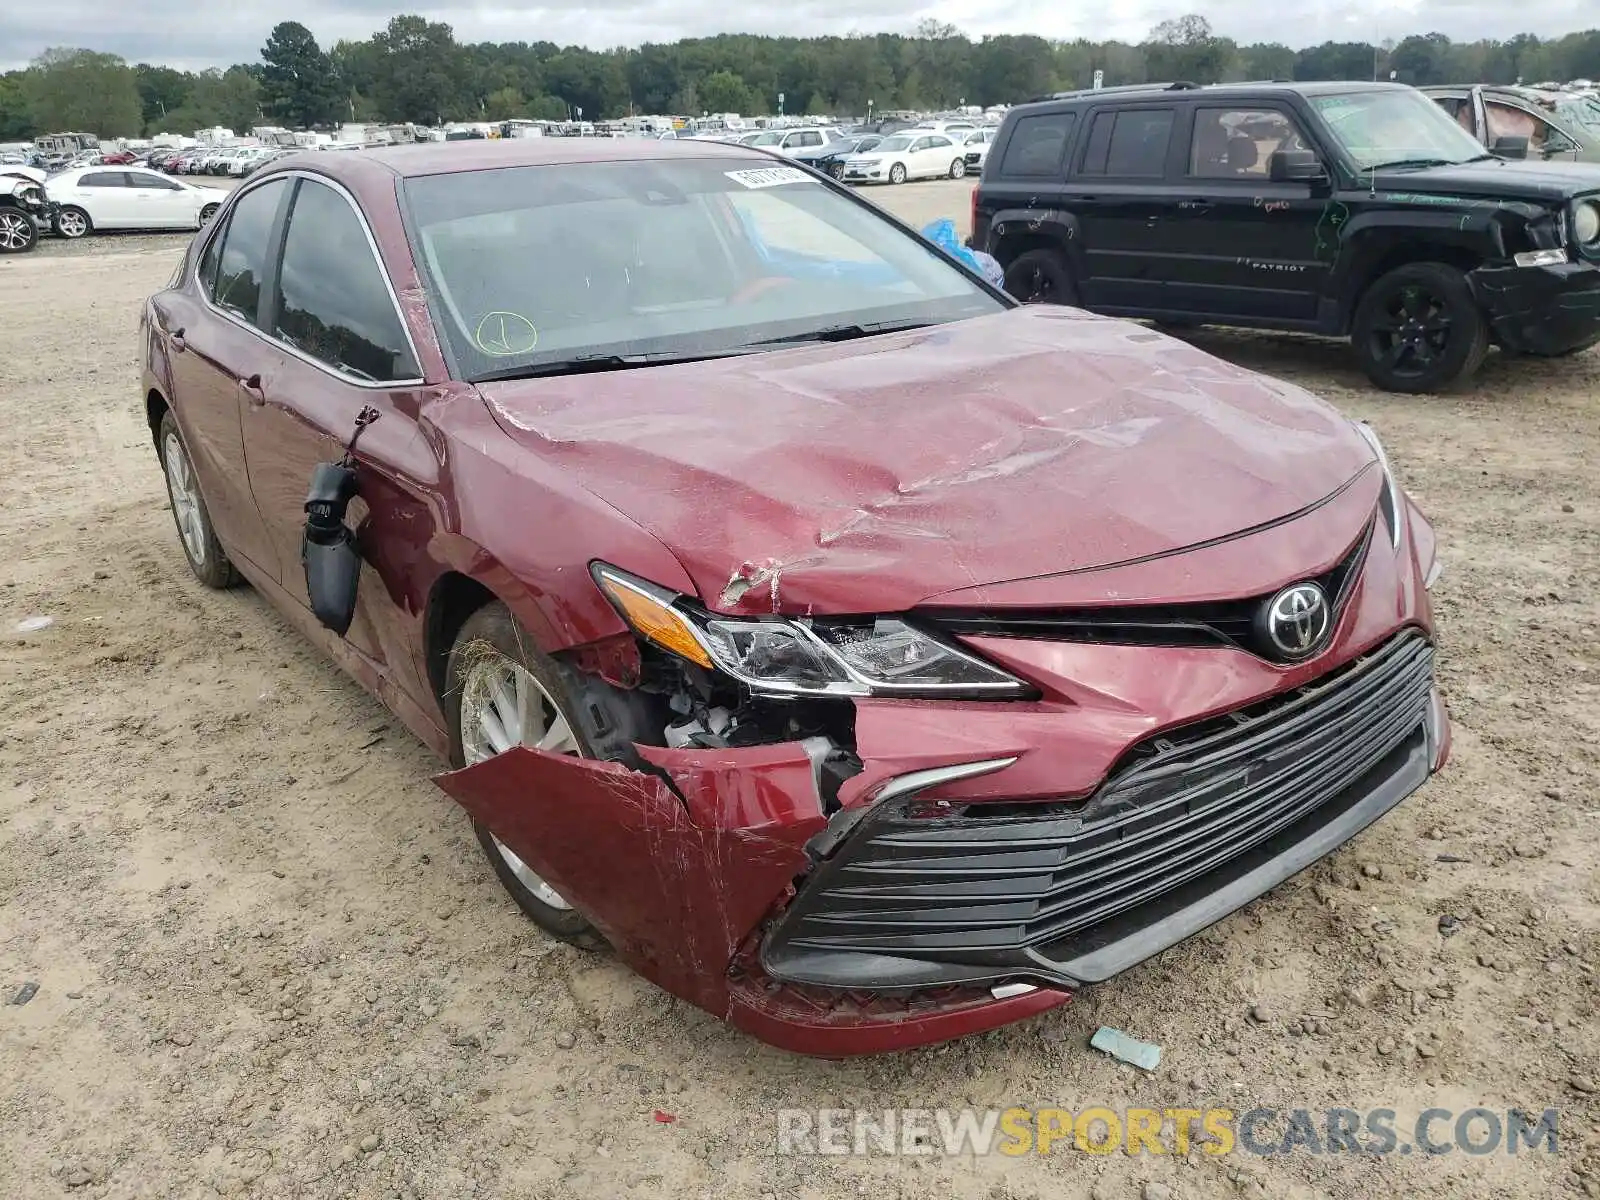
{"x":1131,"y":143}
{"x":1037,"y":144}
{"x":333,"y":303}
{"x":243,"y":263}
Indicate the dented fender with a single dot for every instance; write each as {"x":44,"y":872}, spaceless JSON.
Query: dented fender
{"x":674,"y":874}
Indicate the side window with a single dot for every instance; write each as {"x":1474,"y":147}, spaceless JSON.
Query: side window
{"x":1507,"y":120}
{"x":207,"y":271}
{"x":1237,"y":143}
{"x":155,"y":183}
{"x":939,"y":143}
{"x":333,"y":302}
{"x":1131,"y":143}
{"x":103,"y":179}
{"x":1037,"y":145}
{"x":243,"y":262}
{"x":811,"y":139}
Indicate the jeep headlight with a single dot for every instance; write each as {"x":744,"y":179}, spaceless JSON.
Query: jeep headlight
{"x":777,"y":656}
{"x":1586,"y":223}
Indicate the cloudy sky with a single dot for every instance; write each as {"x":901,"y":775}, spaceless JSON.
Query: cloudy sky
{"x":193,"y":35}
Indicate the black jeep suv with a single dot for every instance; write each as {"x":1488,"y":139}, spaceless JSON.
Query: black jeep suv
{"x":1351,"y":209}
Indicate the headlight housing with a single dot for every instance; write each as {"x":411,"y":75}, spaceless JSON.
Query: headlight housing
{"x":1392,"y":502}
{"x":779,"y":656}
{"x":1586,"y":223}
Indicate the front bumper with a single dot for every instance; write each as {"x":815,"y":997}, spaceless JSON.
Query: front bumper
{"x":1540,"y":310}
{"x":1150,"y":791}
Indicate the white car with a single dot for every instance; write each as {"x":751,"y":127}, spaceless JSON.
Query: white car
{"x":910,"y":154}
{"x":94,"y":198}
{"x":975,"y":148}
{"x":789,"y":142}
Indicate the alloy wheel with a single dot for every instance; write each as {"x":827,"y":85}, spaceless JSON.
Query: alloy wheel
{"x":1411,"y":331}
{"x":72,"y":225}
{"x":185,"y":493}
{"x":503,"y":705}
{"x":13,"y":231}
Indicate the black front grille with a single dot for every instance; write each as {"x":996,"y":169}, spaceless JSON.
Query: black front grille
{"x":924,"y":891}
{"x":1223,"y":623}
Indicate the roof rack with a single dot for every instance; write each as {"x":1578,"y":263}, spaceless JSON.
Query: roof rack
{"x":1181,"y":85}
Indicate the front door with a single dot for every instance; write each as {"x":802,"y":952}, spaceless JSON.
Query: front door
{"x":1250,"y":246}
{"x":340,"y":346}
{"x":161,"y":203}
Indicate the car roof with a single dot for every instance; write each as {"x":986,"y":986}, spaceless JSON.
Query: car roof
{"x":452,"y":158}
{"x":1142,"y":93}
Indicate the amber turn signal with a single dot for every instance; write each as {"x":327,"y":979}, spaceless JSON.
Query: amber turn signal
{"x":651,"y":616}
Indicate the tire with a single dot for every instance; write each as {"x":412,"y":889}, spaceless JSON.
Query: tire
{"x":897,"y":173}
{"x":1418,"y":329}
{"x":72,"y":222}
{"x":491,"y":641}
{"x":207,"y":559}
{"x":958,"y":168}
{"x":18,"y":233}
{"x":207,"y":213}
{"x":1041,"y":276}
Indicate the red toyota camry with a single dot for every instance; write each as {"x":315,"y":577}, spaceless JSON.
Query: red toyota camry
{"x":863,"y":657}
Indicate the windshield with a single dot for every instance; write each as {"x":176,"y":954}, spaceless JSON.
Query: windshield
{"x":898,"y":142}
{"x":1581,"y":110}
{"x":1389,"y":127}
{"x":530,"y":266}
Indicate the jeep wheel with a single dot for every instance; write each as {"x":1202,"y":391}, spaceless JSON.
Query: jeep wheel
{"x":17,"y":231}
{"x":1041,"y":277}
{"x":73,"y":222}
{"x":958,"y":168}
{"x":1418,"y":329}
{"x":897,"y":173}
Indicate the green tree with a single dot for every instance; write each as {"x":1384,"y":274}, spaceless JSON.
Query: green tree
{"x":299,"y":83}
{"x":1266,"y":60}
{"x":81,"y":90}
{"x":16,"y":119}
{"x":504,"y":103}
{"x":418,"y":71}
{"x":1422,"y":60}
{"x":724,"y":91}
{"x":161,"y":90}
{"x":230,"y":98}
{"x":1185,"y":48}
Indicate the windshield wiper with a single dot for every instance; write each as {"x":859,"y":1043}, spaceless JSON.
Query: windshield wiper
{"x":1402,"y":163}
{"x":589,"y":364}
{"x":843,"y":333}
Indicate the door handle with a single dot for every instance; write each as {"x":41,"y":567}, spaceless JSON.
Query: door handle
{"x":175,"y":340}
{"x":251,"y":387}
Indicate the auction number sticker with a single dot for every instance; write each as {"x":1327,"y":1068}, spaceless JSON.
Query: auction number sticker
{"x":765,"y":177}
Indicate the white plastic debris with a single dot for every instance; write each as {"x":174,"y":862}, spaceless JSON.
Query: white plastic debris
{"x":34,"y":624}
{"x":1123,"y":1048}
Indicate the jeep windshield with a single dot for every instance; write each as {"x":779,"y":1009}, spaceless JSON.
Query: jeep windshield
{"x":1396,"y":129}
{"x":530,"y":269}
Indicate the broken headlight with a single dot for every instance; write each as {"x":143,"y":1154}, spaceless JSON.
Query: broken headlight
{"x":775,"y":656}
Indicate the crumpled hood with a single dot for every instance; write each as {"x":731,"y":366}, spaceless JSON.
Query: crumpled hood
{"x":868,"y":476}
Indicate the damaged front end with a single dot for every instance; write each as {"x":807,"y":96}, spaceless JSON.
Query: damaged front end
{"x":1543,"y":296}
{"x":821,"y":856}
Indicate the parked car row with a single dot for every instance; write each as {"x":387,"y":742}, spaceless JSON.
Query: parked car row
{"x":233,"y":161}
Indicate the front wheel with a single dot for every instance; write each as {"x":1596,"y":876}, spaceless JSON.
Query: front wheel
{"x":1418,"y":329}
{"x":18,"y":233}
{"x":897,"y":173}
{"x":1041,"y":277}
{"x":958,"y":168}
{"x":73,"y":222}
{"x":502,"y":693}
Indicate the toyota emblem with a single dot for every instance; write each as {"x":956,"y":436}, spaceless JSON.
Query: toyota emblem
{"x":1296,"y":621}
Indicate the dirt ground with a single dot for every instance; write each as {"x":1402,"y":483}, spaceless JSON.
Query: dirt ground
{"x":272,"y":962}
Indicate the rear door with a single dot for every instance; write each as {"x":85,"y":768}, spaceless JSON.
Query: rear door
{"x":1241,"y":245}
{"x":1126,"y":198}
{"x":211,"y":344}
{"x":1507,"y":118}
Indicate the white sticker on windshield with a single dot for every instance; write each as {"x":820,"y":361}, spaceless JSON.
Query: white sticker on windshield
{"x":765,"y":177}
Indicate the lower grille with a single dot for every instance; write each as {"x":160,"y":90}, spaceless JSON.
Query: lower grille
{"x":922,"y":892}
